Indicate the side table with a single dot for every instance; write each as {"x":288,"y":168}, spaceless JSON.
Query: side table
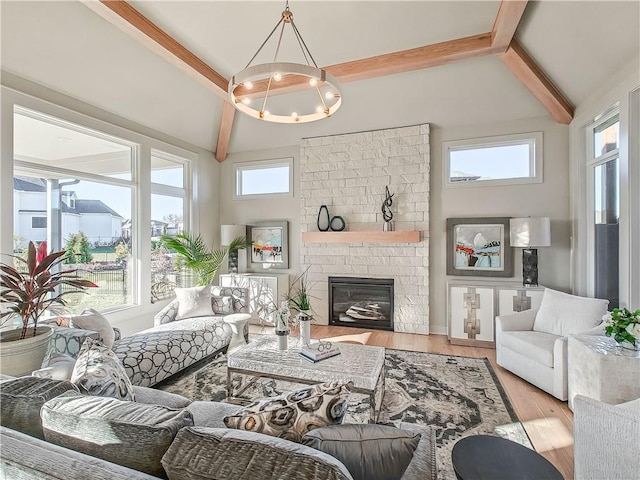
{"x":485,"y":457}
{"x":601,"y":369}
{"x":237,"y":322}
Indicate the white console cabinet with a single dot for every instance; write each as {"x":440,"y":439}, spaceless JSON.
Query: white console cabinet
{"x":473,"y":305}
{"x":265,"y":292}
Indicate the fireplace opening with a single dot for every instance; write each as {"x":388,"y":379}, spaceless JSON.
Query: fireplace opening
{"x":361,"y":302}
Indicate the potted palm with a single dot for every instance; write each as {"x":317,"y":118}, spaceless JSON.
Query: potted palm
{"x":27,"y":293}
{"x":195,"y":254}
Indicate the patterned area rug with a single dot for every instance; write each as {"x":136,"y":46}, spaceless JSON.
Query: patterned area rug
{"x":459,"y":396}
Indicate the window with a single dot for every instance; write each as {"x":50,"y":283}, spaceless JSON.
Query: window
{"x":38,"y":222}
{"x":81,"y":181}
{"x":604,"y":213}
{"x":265,"y":178}
{"x":503,"y":160}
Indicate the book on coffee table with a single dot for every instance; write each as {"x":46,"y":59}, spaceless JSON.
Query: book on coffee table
{"x":315,"y":355}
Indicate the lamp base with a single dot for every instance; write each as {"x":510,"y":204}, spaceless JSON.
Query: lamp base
{"x":233,"y":261}
{"x":530,"y":267}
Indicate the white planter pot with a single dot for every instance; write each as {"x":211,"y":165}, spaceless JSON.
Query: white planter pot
{"x":21,"y":357}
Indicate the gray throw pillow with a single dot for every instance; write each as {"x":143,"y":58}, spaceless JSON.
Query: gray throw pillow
{"x":98,"y":371}
{"x":21,"y":399}
{"x":153,"y":396}
{"x":370,"y":452}
{"x":194,"y":302}
{"x":132,"y":434}
{"x":58,"y":366}
{"x":200,"y":453}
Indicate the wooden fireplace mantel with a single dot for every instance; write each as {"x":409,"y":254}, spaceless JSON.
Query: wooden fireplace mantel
{"x":408,"y":236}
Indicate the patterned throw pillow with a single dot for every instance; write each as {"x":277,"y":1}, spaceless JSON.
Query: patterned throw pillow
{"x":291,"y":415}
{"x":222,"y":304}
{"x":91,"y":319}
{"x":98,"y":372}
{"x":193,"y":302}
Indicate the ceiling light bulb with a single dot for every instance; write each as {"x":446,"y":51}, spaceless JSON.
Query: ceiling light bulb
{"x":294,"y":114}
{"x":329,"y":95}
{"x":246,"y":101}
{"x":248,"y":85}
{"x":277,"y":77}
{"x":313,"y":82}
{"x":319,"y":109}
{"x":266,"y":113}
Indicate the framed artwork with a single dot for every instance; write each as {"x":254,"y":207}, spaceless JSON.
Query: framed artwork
{"x":479,"y":247}
{"x":269,"y":245}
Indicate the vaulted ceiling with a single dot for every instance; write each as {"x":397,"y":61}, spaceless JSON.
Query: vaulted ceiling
{"x":68,"y":47}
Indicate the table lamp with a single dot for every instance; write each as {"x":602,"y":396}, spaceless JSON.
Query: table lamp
{"x":228,"y":233}
{"x":527,"y":233}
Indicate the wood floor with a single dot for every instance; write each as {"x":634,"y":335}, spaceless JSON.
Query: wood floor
{"x":548,"y":421}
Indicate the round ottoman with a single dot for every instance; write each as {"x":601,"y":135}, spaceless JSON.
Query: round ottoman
{"x":237,"y":321}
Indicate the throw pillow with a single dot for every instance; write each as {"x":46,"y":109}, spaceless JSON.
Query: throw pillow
{"x":370,"y":452}
{"x":93,"y":320}
{"x":22,"y":398}
{"x":222,"y":304}
{"x":153,"y":396}
{"x":99,"y":372}
{"x":199,"y":453}
{"x":193,"y":302}
{"x":563,"y":314}
{"x":58,"y":366}
{"x":293,"y":414}
{"x":132,"y":434}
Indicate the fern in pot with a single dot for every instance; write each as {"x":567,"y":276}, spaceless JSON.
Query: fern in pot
{"x":28,"y":293}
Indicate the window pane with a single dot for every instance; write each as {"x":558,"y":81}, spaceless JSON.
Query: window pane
{"x":85,"y":218}
{"x":52,"y":144}
{"x":263,"y":180}
{"x":606,"y":231}
{"x":166,"y":171}
{"x":490,"y":163}
{"x":606,"y":137}
{"x":167,"y":217}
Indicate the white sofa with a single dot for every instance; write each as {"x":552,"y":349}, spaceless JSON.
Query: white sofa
{"x":533,"y":343}
{"x":606,"y":439}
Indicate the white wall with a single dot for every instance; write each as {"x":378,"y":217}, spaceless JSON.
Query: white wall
{"x":245,"y":211}
{"x":550,"y":198}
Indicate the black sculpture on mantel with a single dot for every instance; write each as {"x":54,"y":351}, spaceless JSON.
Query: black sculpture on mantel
{"x":335,"y":224}
{"x":387,"y":214}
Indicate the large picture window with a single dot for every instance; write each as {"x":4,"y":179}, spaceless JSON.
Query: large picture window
{"x":503,"y":160}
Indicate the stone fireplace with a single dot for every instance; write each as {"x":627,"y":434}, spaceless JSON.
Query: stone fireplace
{"x":348,"y":173}
{"x":361,"y":302}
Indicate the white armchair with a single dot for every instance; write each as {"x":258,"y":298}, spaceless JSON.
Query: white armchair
{"x":606,"y":439}
{"x":533,"y":343}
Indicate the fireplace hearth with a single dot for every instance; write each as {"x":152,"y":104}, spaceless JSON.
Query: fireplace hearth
{"x":361,"y":302}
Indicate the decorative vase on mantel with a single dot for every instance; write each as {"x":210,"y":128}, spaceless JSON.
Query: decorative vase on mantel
{"x":304,"y":319}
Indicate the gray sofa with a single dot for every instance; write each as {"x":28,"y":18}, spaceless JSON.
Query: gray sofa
{"x":201,"y":442}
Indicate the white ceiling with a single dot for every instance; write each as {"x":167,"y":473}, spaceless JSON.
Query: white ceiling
{"x":67,"y":47}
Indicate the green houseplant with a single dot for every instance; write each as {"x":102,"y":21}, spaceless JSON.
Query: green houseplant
{"x":299,"y":299}
{"x":28,"y":293}
{"x":624,"y":326}
{"x":194,"y":253}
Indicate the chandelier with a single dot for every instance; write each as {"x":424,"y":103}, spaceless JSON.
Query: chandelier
{"x":251,"y":89}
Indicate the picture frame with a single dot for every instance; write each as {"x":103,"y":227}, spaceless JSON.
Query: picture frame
{"x":479,"y":247}
{"x":269,"y":247}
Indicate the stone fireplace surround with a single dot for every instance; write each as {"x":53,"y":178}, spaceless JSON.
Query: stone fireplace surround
{"x":348,"y":173}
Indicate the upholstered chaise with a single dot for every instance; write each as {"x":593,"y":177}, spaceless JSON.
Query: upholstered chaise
{"x":533,"y":343}
{"x":174,"y":344}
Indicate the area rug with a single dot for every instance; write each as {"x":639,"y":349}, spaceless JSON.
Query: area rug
{"x":459,"y":396}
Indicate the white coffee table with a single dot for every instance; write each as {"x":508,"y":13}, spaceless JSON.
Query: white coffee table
{"x":361,"y":364}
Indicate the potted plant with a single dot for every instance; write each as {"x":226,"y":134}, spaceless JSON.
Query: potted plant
{"x":28,"y":293}
{"x":624,"y":326}
{"x":194,"y":253}
{"x":299,"y":299}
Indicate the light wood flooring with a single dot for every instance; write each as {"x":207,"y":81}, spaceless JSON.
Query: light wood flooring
{"x":548,"y":421}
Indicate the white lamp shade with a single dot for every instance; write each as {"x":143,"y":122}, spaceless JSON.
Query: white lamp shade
{"x":530,"y":232}
{"x":229,"y":232}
